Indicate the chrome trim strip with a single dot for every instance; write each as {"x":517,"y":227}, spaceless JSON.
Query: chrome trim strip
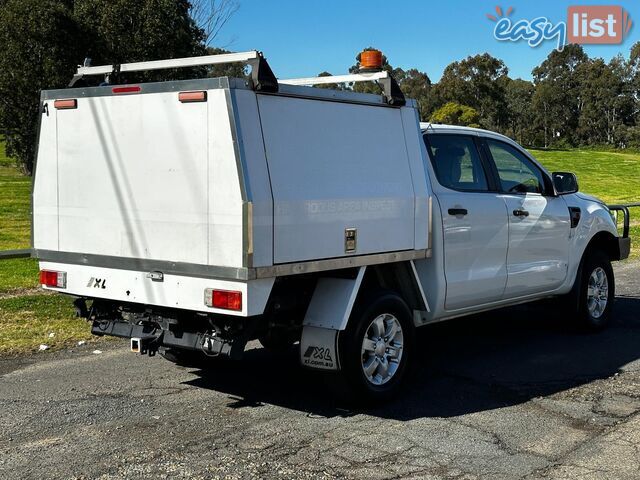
{"x":339,"y":263}
{"x":227,"y":273}
{"x":143,"y":265}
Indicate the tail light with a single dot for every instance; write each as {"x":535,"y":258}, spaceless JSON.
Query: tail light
{"x":49,"y":278}
{"x":130,"y":89}
{"x":224,"y":299}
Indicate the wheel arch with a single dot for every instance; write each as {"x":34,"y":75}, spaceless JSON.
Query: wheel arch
{"x":401,"y":278}
{"x":605,"y":242}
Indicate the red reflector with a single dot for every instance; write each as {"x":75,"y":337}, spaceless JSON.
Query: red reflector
{"x":65,"y":104}
{"x":225,"y":299}
{"x":50,"y":278}
{"x":132,"y":89}
{"x":189,"y":97}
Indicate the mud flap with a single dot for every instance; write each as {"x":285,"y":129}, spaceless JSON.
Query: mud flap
{"x":327,"y":315}
{"x":319,"y":348}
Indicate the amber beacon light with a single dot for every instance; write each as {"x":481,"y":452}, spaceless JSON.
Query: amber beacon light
{"x":371,"y":61}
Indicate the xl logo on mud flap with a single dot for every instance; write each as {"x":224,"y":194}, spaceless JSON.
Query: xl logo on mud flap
{"x":318,"y":357}
{"x":97,"y":283}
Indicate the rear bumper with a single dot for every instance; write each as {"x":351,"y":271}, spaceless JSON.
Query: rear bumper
{"x":158,"y":288}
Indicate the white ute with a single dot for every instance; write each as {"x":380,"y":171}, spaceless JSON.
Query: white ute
{"x":194,"y":216}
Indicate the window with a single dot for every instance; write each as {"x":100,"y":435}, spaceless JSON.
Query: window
{"x":517,"y":173}
{"x":456,"y":162}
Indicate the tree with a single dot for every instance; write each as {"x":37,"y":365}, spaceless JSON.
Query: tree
{"x":155,"y":29}
{"x":557,"y":100}
{"x":604,"y":107}
{"x":478,"y":82}
{"x":43,"y":41}
{"x":212,"y":15}
{"x":519,"y":94}
{"x":40,"y":49}
{"x":417,"y":85}
{"x":452,"y":113}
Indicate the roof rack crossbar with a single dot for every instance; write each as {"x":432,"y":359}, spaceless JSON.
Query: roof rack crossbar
{"x":244,"y":57}
{"x":351,"y":78}
{"x":392,"y":92}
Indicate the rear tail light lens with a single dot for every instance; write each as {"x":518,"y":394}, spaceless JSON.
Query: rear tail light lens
{"x":50,"y":278}
{"x":121,"y":90}
{"x":224,"y":299}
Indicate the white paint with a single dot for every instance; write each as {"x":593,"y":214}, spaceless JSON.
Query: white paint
{"x":335,"y":166}
{"x":175,"y":291}
{"x":332,"y":302}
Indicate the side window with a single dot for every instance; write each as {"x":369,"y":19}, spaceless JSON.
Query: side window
{"x":456,"y":162}
{"x":517,"y":173}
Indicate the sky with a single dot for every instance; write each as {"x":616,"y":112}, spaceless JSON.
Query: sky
{"x":303,"y":38}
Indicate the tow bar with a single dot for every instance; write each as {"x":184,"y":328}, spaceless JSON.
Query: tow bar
{"x":145,"y":345}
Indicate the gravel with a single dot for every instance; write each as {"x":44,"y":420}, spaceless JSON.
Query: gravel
{"x":509,"y":394}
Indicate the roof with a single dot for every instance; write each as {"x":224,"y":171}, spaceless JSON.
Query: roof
{"x":442,"y":128}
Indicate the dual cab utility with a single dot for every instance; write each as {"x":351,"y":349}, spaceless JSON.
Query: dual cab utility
{"x":194,"y":216}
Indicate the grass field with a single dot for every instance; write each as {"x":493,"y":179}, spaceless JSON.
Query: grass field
{"x":28,"y":316}
{"x":612,"y":176}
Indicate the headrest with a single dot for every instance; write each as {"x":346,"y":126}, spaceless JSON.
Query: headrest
{"x":450,"y":151}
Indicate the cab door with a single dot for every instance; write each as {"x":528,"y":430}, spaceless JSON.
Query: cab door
{"x":474,"y":221}
{"x":539,"y":223}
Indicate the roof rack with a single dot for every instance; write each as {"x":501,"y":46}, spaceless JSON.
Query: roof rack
{"x":262,"y":76}
{"x":392,"y":92}
{"x":354,"y":77}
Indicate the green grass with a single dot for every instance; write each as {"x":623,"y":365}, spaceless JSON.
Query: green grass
{"x":15,"y":230}
{"x":15,"y":205}
{"x":27,"y":321}
{"x":27,"y":314}
{"x":612,"y":176}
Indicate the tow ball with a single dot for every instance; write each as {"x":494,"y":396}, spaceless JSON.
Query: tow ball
{"x":144,"y":345}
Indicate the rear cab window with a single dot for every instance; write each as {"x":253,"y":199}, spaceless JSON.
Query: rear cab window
{"x":456,"y":162}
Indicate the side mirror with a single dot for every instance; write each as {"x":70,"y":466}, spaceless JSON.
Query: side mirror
{"x":565,"y":182}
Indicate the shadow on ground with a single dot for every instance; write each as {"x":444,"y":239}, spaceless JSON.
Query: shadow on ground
{"x":469,"y":365}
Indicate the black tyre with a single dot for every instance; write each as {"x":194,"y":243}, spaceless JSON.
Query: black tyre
{"x":596,"y":293}
{"x":377,"y":348}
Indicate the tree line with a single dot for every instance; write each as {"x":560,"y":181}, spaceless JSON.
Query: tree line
{"x":43,"y":41}
{"x":572,"y":100}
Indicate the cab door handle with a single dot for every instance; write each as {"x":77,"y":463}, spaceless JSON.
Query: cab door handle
{"x":519,"y":212}
{"x":458,"y":211}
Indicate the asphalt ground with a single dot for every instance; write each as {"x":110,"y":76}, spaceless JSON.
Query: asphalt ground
{"x":510,"y":394}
